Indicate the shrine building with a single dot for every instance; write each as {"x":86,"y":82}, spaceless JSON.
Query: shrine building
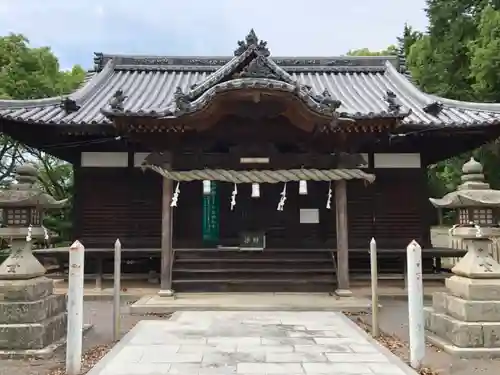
{"x":251,"y":172}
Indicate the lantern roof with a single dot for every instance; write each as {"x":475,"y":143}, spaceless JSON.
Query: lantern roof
{"x":474,"y":191}
{"x":25,"y":193}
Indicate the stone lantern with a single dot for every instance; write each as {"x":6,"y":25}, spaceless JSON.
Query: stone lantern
{"x":474,"y":199}
{"x":465,"y":319}
{"x":22,"y":207}
{"x":31,"y":317}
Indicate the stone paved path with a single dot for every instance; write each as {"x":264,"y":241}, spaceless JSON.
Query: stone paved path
{"x":249,"y":343}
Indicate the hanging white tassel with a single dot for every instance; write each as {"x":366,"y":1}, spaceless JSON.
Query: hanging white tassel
{"x":175,"y":197}
{"x":207,"y":187}
{"x":45,"y":233}
{"x":233,"y":196}
{"x":281,"y":203}
{"x":255,"y":190}
{"x":329,"y":198}
{"x":302,"y":187}
{"x":479,"y":232}
{"x":29,"y":237}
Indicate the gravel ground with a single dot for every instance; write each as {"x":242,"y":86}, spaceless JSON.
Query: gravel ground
{"x":394,"y":321}
{"x":96,"y":342}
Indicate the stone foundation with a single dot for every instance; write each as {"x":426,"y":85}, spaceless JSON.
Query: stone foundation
{"x":465,"y":320}
{"x":31,"y":317}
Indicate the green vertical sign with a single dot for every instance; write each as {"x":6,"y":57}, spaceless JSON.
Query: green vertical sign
{"x":211,"y":215}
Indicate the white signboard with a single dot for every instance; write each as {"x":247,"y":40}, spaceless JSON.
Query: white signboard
{"x":309,"y":216}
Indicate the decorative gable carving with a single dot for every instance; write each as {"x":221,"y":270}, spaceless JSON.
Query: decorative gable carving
{"x":257,"y":68}
{"x":252,"y":42}
{"x":251,"y":68}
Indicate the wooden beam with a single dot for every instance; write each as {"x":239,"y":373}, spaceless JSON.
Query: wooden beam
{"x":166,"y":237}
{"x":78,"y":201}
{"x":342,"y":239}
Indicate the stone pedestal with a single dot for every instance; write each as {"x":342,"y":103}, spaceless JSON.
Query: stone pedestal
{"x":465,"y":320}
{"x":32,"y":318}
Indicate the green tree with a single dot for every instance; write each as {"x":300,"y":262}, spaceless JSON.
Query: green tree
{"x":408,"y":39}
{"x":443,"y":52}
{"x":32,"y":73}
{"x":484,"y":53}
{"x":459,"y":58}
{"x":56,"y":178}
{"x":391,"y":50}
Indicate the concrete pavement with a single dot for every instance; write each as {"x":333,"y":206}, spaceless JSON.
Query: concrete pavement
{"x":250,"y":343}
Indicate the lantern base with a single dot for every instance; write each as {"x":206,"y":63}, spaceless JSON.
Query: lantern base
{"x":465,"y":320}
{"x":477,"y":263}
{"x":31,"y":317}
{"x":21,"y":265}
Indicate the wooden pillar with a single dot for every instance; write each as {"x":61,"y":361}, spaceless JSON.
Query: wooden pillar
{"x":77,"y":215}
{"x":99,"y":271}
{"x":342,"y":239}
{"x":166,"y":238}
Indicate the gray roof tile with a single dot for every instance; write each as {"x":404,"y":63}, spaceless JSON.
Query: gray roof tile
{"x":149,"y":82}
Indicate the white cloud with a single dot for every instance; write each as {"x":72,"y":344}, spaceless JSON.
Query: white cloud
{"x":194,"y":27}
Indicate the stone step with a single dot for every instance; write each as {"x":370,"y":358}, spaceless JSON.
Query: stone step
{"x":241,"y":270}
{"x":313,"y":284}
{"x":466,"y":310}
{"x":460,"y":333}
{"x":25,"y":312}
{"x":29,"y":336}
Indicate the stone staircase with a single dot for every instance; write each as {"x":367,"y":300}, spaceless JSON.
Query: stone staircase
{"x":276,"y":270}
{"x":271,"y":270}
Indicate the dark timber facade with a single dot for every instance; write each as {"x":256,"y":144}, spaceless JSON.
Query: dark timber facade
{"x":277,"y":113}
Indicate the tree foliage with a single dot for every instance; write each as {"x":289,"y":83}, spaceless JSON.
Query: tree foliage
{"x":459,"y":58}
{"x":409,"y":37}
{"x":33,"y":73}
{"x":391,"y":50}
{"x":484,"y":54}
{"x":56,"y":178}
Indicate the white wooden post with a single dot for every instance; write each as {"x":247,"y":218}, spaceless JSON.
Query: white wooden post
{"x":116,"y":290}
{"x":374,"y":276}
{"x":415,"y":304}
{"x":75,"y":309}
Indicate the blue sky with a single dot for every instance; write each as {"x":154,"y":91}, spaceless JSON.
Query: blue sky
{"x":74,"y":30}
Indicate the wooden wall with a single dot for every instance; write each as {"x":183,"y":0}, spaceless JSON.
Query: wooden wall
{"x":120,"y":203}
{"x":403,"y":210}
{"x":126,"y":203}
{"x":394,"y":209}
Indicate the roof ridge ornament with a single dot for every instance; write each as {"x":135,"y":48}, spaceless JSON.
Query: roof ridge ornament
{"x":117,"y":100}
{"x":181,"y":100}
{"x":325,"y":100}
{"x":69,"y":105}
{"x":98,"y":61}
{"x":392,"y":101}
{"x":257,"y":68}
{"x":252,"y":41}
{"x":328,"y":106}
{"x":433,"y":108}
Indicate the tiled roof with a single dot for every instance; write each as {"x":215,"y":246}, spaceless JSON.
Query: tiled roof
{"x":361,"y":84}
